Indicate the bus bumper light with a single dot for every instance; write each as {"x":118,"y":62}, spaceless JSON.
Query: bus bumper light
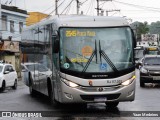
{"x":69,"y":96}
{"x":130,"y":93}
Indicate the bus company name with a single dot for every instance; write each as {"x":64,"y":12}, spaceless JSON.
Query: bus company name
{"x":79,"y":59}
{"x":75,"y":33}
{"x":98,"y":76}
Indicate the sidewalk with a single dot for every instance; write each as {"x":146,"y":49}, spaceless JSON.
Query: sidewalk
{"x":20,"y":82}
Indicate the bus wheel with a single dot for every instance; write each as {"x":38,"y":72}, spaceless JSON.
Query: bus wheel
{"x":51,"y":94}
{"x":112,"y":104}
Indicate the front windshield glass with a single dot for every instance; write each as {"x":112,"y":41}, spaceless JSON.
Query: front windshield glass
{"x":32,"y":67}
{"x":77,"y":46}
{"x":152,"y":61}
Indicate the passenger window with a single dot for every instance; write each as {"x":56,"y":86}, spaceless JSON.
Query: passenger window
{"x":6,"y":68}
{"x":11,"y":69}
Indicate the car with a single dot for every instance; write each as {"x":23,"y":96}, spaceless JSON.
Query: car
{"x":37,"y":71}
{"x":8,"y":76}
{"x":152,"y":50}
{"x":150,"y":70}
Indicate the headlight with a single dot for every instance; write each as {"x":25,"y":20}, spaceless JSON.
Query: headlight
{"x":143,"y":70}
{"x":69,"y":83}
{"x":127,"y":82}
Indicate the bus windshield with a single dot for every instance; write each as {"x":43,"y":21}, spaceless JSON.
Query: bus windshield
{"x":80,"y":49}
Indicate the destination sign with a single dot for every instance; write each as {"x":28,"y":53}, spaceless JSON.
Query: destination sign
{"x":76,"y":33}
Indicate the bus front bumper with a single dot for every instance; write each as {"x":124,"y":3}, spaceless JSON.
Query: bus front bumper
{"x":96,"y":94}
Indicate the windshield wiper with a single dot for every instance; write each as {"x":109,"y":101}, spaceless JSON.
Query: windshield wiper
{"x":90,"y":59}
{"x":102,"y":53}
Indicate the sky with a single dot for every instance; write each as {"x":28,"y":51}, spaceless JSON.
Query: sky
{"x":133,"y":10}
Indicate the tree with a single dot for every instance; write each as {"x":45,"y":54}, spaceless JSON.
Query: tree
{"x":154,"y":28}
{"x":140,"y":28}
{"x":143,"y":28}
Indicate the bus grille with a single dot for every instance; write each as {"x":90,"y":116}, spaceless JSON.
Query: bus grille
{"x":92,"y":97}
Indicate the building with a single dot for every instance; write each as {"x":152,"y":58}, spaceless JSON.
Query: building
{"x":13,"y":20}
{"x":35,"y":17}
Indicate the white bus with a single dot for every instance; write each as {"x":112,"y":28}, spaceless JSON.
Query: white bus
{"x":89,"y":58}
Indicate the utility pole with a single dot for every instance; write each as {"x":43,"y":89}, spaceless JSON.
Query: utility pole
{"x":102,"y":11}
{"x":107,"y":11}
{"x":98,"y":5}
{"x":78,"y":3}
{"x":56,"y":4}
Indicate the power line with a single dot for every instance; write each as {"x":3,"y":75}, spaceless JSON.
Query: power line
{"x":139,"y":6}
{"x":92,"y":7}
{"x":68,"y":10}
{"x":116,"y":8}
{"x":55,"y":9}
{"x":67,"y":6}
{"x":89,"y":7}
{"x":103,"y":3}
{"x":48,"y":8}
{"x":84,"y":2}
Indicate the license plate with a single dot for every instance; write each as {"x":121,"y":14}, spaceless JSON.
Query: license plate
{"x":100,"y":99}
{"x":156,"y":78}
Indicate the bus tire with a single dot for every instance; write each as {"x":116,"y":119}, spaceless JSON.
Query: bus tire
{"x":31,"y":90}
{"x":51,"y":94}
{"x":112,"y":104}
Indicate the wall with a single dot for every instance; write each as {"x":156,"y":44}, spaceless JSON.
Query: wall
{"x":16,"y":35}
{"x":35,"y":17}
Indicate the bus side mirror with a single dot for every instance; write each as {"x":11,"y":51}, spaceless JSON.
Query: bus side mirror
{"x":138,"y":65}
{"x":134,"y":39}
{"x":55,"y":39}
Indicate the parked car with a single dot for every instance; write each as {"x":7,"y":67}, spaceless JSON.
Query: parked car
{"x":150,"y":70}
{"x":8,"y":76}
{"x":37,"y":70}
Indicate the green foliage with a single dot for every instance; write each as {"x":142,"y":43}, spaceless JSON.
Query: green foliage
{"x":140,"y":28}
{"x":154,"y":27}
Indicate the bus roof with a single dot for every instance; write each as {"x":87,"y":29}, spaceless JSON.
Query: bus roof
{"x":83,"y":21}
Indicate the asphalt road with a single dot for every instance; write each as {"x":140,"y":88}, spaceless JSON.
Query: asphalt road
{"x":147,"y":99}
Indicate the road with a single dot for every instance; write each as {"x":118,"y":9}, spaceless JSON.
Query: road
{"x":147,"y":99}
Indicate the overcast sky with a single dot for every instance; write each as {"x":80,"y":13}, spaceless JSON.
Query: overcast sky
{"x":136,"y":10}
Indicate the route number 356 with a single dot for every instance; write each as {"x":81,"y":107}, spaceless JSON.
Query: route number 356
{"x":71,"y":33}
